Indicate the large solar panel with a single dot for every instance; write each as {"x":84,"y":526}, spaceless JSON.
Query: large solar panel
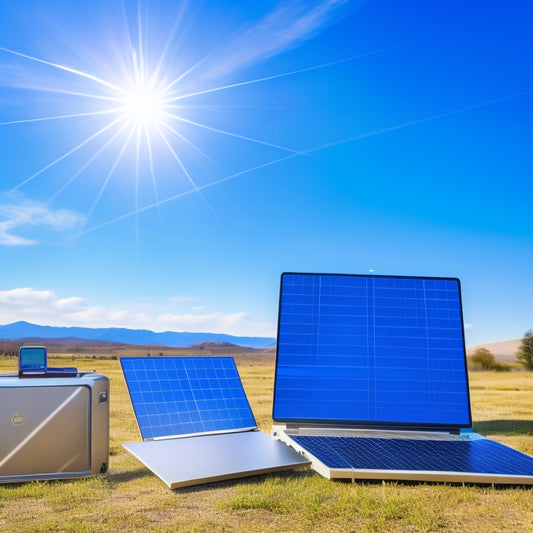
{"x":371,"y":350}
{"x":371,"y":379}
{"x":176,"y":396}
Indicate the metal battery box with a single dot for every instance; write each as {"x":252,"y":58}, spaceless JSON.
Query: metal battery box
{"x":53,"y":427}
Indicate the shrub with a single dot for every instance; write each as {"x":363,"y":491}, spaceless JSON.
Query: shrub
{"x":525,"y":351}
{"x":483,"y":358}
{"x":501,"y":367}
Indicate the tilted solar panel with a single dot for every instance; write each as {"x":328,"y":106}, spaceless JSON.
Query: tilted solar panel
{"x":176,"y":396}
{"x":203,"y":400}
{"x":371,"y":350}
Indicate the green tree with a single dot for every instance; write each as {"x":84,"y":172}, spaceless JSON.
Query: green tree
{"x":525,"y":351}
{"x":483,"y":358}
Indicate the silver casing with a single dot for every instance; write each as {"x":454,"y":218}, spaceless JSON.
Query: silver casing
{"x":53,"y":427}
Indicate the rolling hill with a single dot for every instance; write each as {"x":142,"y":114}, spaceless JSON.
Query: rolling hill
{"x":504,"y":352}
{"x":25,"y":330}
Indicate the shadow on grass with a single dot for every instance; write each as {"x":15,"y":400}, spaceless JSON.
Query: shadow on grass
{"x":302,"y":474}
{"x":245,"y":480}
{"x":127,"y":475}
{"x":504,"y":427}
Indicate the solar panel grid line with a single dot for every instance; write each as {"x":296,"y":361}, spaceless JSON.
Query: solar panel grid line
{"x":478,"y":456}
{"x":185,"y":396}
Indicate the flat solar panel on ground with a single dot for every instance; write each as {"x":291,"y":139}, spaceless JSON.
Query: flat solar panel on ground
{"x":186,"y":395}
{"x":371,"y":349}
{"x":464,"y":455}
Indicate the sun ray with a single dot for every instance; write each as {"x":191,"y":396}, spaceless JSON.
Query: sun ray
{"x":229,"y":133}
{"x":177,"y":158}
{"x":187,"y":193}
{"x":416,"y":122}
{"x":137,"y":171}
{"x":137,"y":164}
{"x":309,"y":151}
{"x":193,"y":183}
{"x":59,"y":117}
{"x":67,"y":154}
{"x":284,"y":74}
{"x":185,"y":73}
{"x":164,"y":52}
{"x":137,"y":78}
{"x":110,"y":174}
{"x":73,"y":93}
{"x":67,"y":69}
{"x":192,"y":145}
{"x":140,"y":41}
{"x":87,"y":163}
{"x":152,"y":172}
{"x":151,"y":162}
{"x":145,"y":102}
{"x":137,"y":53}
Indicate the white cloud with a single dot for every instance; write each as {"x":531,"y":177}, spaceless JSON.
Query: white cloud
{"x":28,"y":222}
{"x":44,"y":307}
{"x":182,"y":299}
{"x":285,"y":27}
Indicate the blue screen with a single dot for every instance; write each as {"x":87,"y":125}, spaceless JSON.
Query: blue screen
{"x":186,"y":395}
{"x":32,"y":358}
{"x":366,"y":350}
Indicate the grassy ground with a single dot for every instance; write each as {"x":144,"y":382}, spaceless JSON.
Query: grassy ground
{"x":131,"y":498}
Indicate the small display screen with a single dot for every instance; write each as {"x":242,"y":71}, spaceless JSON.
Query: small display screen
{"x":32,"y":359}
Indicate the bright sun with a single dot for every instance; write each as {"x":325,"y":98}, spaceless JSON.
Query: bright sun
{"x":144,"y":106}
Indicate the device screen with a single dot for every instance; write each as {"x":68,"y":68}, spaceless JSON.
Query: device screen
{"x":32,"y":359}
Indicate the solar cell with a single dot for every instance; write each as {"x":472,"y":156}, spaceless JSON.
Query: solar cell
{"x":371,"y":350}
{"x":176,"y":396}
{"x":478,"y":456}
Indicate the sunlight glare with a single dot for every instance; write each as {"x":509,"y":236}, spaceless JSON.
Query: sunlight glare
{"x":144,"y":106}
{"x":141,"y":110}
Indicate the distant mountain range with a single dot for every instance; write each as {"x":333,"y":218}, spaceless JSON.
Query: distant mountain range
{"x":22,"y":330}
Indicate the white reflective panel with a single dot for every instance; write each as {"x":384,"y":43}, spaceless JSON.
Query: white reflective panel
{"x":202,"y":459}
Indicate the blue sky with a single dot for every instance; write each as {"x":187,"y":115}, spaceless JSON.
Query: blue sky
{"x":163,"y":161}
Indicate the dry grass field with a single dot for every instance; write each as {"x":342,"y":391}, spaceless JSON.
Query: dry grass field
{"x":131,"y":498}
